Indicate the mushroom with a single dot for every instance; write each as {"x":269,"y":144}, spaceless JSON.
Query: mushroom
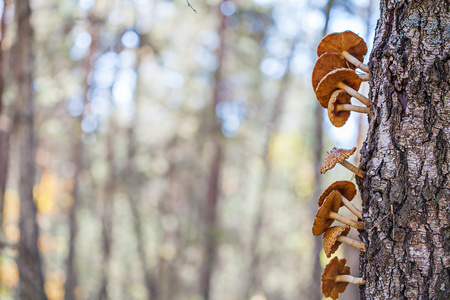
{"x":328,"y":62}
{"x":328,"y":212}
{"x":347,"y":190}
{"x":336,"y":235}
{"x":342,"y":78}
{"x":337,"y":155}
{"x":335,"y":278}
{"x":339,"y":107}
{"x":348,"y":44}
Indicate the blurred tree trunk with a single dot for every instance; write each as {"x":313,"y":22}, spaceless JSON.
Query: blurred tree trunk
{"x":107,"y":214}
{"x":166,"y":206}
{"x":4,"y":121}
{"x":31,"y":284}
{"x":4,"y":157}
{"x":72,"y":276}
{"x":72,"y":281}
{"x":314,"y":292}
{"x":213,"y":190}
{"x":407,"y":154}
{"x":255,"y":272}
{"x":149,"y":278}
{"x":133,"y":188}
{"x":211,"y":222}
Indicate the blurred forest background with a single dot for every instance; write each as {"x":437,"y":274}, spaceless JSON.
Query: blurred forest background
{"x":177,"y":147}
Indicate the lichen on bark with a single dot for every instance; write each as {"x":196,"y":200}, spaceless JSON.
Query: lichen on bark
{"x":406,"y":155}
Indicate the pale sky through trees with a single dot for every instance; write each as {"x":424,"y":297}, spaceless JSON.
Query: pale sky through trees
{"x":286,"y":16}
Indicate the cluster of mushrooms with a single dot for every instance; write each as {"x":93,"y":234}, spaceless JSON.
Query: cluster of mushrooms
{"x":335,"y":82}
{"x":334,"y":79}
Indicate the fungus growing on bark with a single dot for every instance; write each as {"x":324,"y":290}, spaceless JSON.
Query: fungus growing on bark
{"x":339,"y":108}
{"x":344,"y":79}
{"x":336,"y":235}
{"x":347,"y":190}
{"x":337,"y":155}
{"x":348,"y":44}
{"x":335,"y":278}
{"x":326,"y":63}
{"x":328,"y":212}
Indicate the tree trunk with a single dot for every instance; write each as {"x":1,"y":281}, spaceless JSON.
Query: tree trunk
{"x":78,"y":153}
{"x":107,"y":216}
{"x":4,"y":121}
{"x":407,"y":154}
{"x":255,"y":273}
{"x":4,"y":157}
{"x":31,"y":280}
{"x":213,"y":189}
{"x":132,"y":188}
{"x":211,"y":223}
{"x":72,"y":276}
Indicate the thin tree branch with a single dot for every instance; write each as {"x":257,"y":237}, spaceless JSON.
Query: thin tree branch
{"x":189,"y":5}
{"x":378,"y":223}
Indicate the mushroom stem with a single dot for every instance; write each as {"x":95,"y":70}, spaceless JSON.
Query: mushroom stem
{"x":351,"y":107}
{"x":345,"y":220}
{"x":354,"y":61}
{"x":352,"y":168}
{"x":351,"y":242}
{"x":364,"y":77}
{"x":353,"y":93}
{"x":352,"y":208}
{"x":349,"y":278}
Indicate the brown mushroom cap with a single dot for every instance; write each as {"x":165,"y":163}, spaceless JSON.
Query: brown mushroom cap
{"x":331,"y":288}
{"x":346,"y":188}
{"x":321,"y":221}
{"x":326,"y":63}
{"x":329,"y":84}
{"x":338,"y":118}
{"x":343,"y":41}
{"x":330,"y":243}
{"x":336,"y":155}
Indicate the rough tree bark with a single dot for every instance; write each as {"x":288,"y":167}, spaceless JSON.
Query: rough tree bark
{"x":31,"y":280}
{"x":407,"y":154}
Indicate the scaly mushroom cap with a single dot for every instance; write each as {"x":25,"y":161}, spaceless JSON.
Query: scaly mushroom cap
{"x":331,"y":288}
{"x":343,"y":41}
{"x":321,"y":221}
{"x":326,"y":63}
{"x":338,"y":118}
{"x":329,"y":84}
{"x":330,"y":243}
{"x":346,"y":188}
{"x":336,"y":155}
